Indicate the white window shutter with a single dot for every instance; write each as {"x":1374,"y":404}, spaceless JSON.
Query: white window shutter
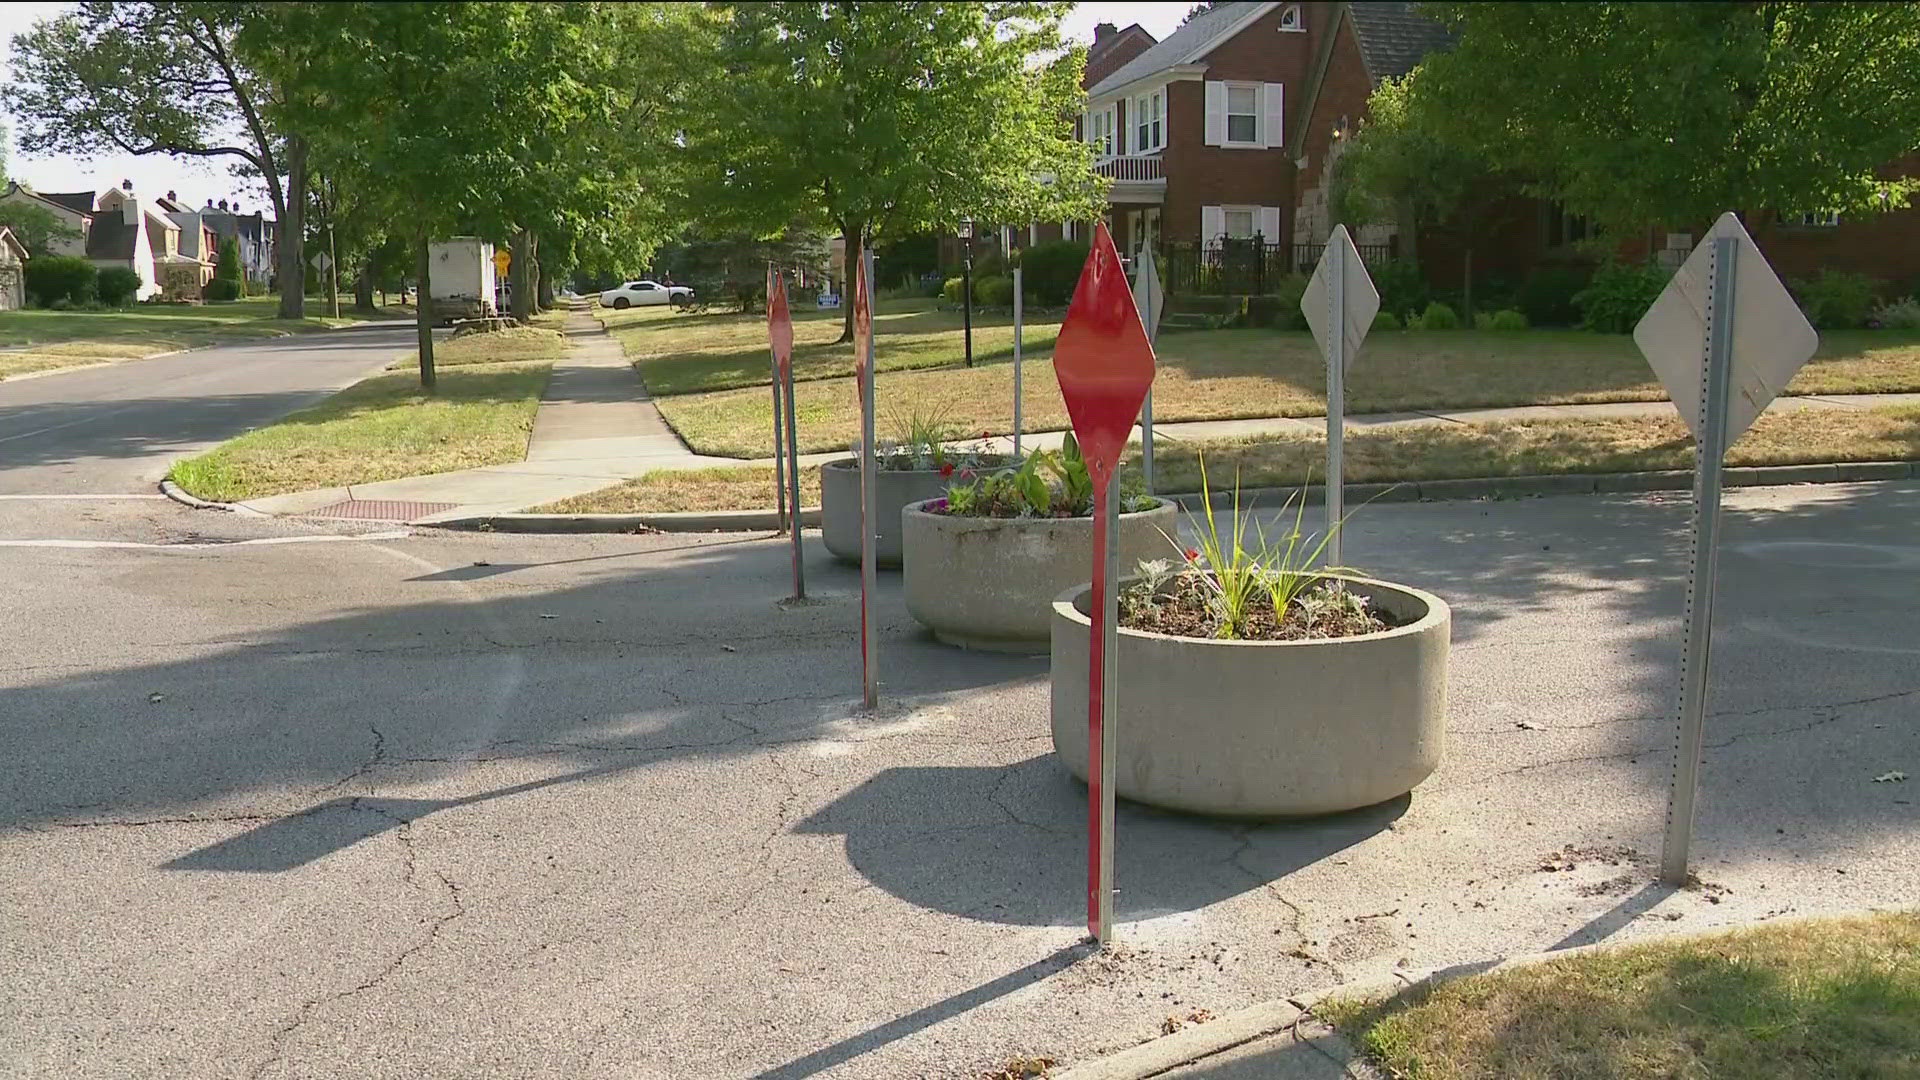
{"x":1273,"y":99}
{"x":1213,"y":223}
{"x":1270,"y":224}
{"x":1216,"y":114}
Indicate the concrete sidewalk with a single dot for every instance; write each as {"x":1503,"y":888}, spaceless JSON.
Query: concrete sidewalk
{"x":597,"y":426}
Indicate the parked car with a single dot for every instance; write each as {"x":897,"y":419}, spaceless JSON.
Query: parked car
{"x":643,"y":293}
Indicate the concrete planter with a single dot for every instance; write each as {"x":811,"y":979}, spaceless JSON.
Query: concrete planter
{"x":840,"y":507}
{"x":1264,"y":728}
{"x":989,"y":583}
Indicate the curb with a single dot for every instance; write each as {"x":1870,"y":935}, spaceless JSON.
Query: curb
{"x":708,"y":521}
{"x":1164,"y":1053}
{"x":186,"y":498}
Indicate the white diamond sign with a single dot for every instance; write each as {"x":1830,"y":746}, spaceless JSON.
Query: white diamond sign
{"x":1362,"y":299}
{"x":1771,"y":338}
{"x":1147,"y":294}
{"x":321,"y":260}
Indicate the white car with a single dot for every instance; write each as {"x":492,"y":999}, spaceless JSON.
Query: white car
{"x":642,"y":293}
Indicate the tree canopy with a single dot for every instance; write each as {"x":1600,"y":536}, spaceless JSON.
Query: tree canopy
{"x":1639,"y":114}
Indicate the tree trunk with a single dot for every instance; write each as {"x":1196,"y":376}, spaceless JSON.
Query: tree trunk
{"x":855,"y":242}
{"x":423,"y":310}
{"x":333,"y":261}
{"x":293,"y":233}
{"x":1466,"y":280}
{"x":363,"y":292}
{"x":520,"y":273}
{"x":542,"y":285}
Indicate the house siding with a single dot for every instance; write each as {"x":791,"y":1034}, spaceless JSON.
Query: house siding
{"x":1343,"y":93}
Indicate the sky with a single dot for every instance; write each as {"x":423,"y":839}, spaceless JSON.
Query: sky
{"x":197,"y":180}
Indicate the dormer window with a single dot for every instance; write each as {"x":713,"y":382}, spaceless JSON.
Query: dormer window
{"x":1290,"y":18}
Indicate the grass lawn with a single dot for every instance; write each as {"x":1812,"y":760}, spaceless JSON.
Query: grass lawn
{"x":53,"y":339}
{"x":683,"y":354}
{"x":499,"y":346}
{"x":739,"y":487}
{"x":1531,"y":448}
{"x":381,"y":428}
{"x":1223,"y":374}
{"x":1426,"y":452}
{"x":1829,"y":998}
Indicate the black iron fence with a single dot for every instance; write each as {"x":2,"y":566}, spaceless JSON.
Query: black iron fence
{"x":1226,"y":267}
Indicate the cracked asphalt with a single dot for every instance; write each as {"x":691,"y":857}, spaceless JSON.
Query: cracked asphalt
{"x":472,"y":805}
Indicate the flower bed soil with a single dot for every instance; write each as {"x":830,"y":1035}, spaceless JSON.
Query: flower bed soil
{"x":1184,"y":608}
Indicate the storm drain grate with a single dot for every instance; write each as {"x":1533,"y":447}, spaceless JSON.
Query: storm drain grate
{"x":381,"y":509}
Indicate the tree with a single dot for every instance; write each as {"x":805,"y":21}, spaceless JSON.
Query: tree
{"x":36,"y":227}
{"x":736,"y":266}
{"x":160,"y":78}
{"x":1650,"y":114}
{"x":1198,"y":10}
{"x":426,"y":107}
{"x":1408,"y":165}
{"x":887,"y":119}
{"x":229,"y":277}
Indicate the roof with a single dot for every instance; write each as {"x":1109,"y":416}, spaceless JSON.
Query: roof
{"x":80,"y":202}
{"x":1196,"y":38}
{"x":112,"y":238}
{"x":7,"y":239}
{"x":1394,"y":38}
{"x":55,"y":200}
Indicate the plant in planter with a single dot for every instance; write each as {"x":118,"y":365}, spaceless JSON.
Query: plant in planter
{"x":1253,"y":681}
{"x":984,"y":562}
{"x":916,"y":466}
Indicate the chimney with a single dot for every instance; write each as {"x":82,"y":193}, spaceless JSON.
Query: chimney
{"x":126,"y":186}
{"x":171,"y":197}
{"x":1102,"y":32}
{"x":209,"y":204}
{"x":223,"y":204}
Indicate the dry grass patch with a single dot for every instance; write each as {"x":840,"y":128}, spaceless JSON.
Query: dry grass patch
{"x":517,"y":344}
{"x":1444,"y":450}
{"x":381,"y":428}
{"x":665,"y":491}
{"x":1230,"y":374}
{"x":1829,"y":998}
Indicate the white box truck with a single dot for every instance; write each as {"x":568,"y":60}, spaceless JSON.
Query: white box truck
{"x":462,"y":278}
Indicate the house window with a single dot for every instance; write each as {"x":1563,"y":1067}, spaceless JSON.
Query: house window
{"x":1243,"y":114}
{"x":1100,"y":132}
{"x":1565,"y":228}
{"x":1290,"y":18}
{"x":1148,"y":134}
{"x":1239,"y":221}
{"x":1818,"y":219}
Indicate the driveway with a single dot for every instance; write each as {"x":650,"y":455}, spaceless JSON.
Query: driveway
{"x":116,"y":429}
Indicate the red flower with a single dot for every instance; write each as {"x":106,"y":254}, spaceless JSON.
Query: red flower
{"x":1193,"y":555}
{"x":946,"y":469}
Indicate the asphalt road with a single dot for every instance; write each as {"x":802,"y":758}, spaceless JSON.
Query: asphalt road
{"x":489,"y":805}
{"x":116,"y":429}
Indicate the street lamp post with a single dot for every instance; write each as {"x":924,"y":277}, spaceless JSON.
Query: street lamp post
{"x":966,"y":278}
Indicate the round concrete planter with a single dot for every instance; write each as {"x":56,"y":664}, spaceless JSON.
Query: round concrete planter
{"x":840,"y":507}
{"x":1264,"y":728}
{"x":989,"y":583}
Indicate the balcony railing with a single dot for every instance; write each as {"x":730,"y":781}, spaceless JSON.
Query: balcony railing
{"x":1130,"y":168}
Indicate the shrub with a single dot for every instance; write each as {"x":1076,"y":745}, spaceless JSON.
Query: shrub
{"x":1049,"y":272}
{"x":953,"y":289}
{"x":1438,"y":316}
{"x":1898,"y":315}
{"x":1499,"y":320}
{"x":69,"y":278}
{"x":1836,"y":299}
{"x":1402,"y":290}
{"x":117,"y":285}
{"x":994,"y":291}
{"x":1288,"y":294}
{"x":220,"y":290}
{"x":1546,"y":297}
{"x":1619,"y":295}
{"x":227,"y":268}
{"x":1386,"y":320}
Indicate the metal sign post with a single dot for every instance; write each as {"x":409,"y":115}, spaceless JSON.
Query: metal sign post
{"x":1340,"y":303}
{"x":1016,"y":360}
{"x":1724,"y":337}
{"x":869,"y":481}
{"x":780,"y":335}
{"x":1104,"y":363}
{"x":1150,"y":300}
{"x":779,"y":444}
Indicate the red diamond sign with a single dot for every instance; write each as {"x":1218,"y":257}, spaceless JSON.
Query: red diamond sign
{"x":1103,"y":359}
{"x":780,"y":323}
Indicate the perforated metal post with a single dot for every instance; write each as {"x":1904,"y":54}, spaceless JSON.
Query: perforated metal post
{"x":1703,"y":563}
{"x":1017,"y":292}
{"x":1101,"y":752}
{"x":779,"y":444}
{"x":869,"y":508}
{"x":1336,"y":256}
